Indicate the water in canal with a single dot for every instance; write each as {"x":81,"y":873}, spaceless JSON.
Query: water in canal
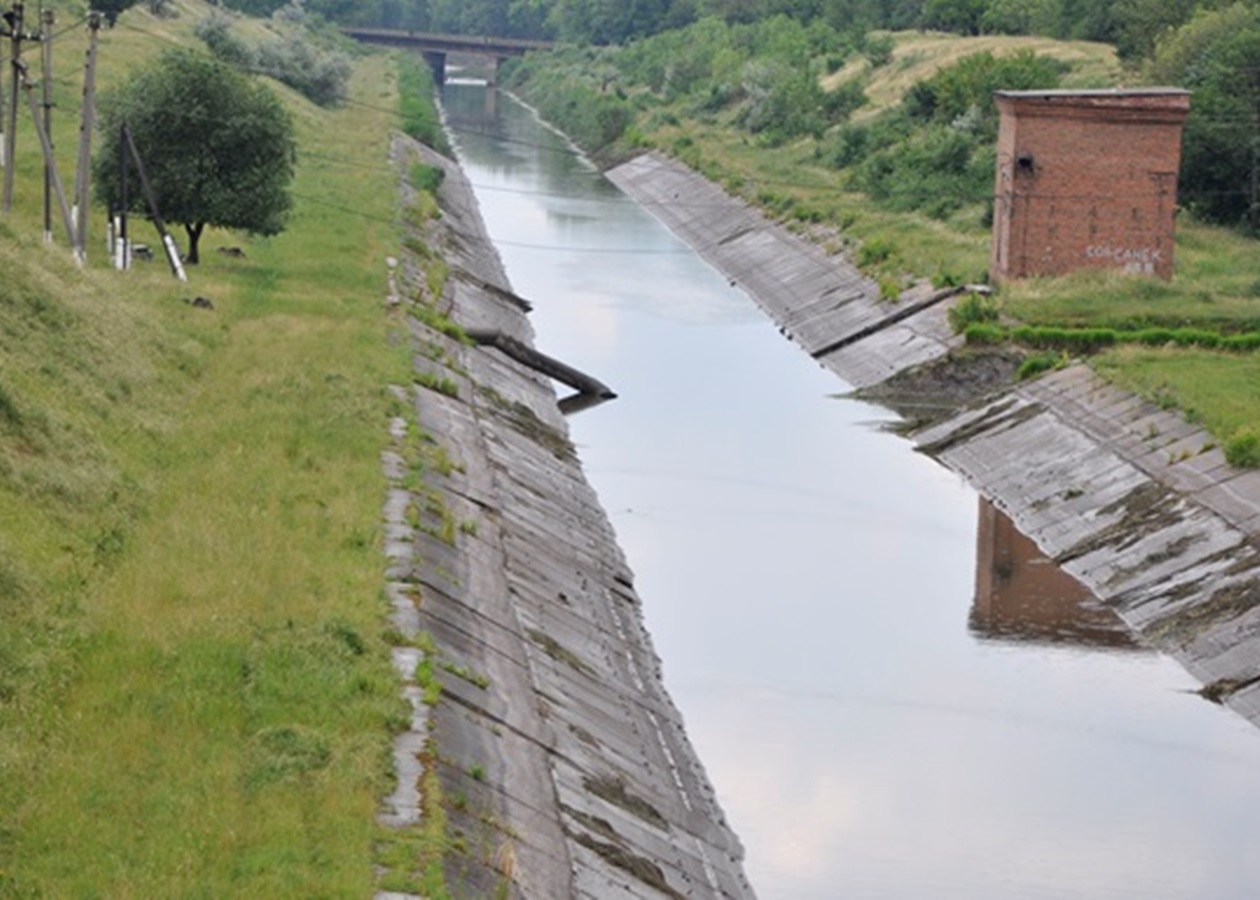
{"x":892,"y":695}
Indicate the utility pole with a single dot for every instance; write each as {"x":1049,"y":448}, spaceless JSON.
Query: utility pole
{"x":15,"y":76}
{"x":50,"y":164}
{"x":83,"y":165}
{"x":46,"y":20}
{"x":4,"y":159}
{"x":122,"y":252}
{"x":168,"y":242}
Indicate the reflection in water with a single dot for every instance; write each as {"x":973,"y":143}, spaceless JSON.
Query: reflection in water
{"x":1021,"y":595}
{"x":807,"y":580}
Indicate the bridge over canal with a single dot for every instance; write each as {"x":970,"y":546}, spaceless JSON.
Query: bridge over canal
{"x":436,"y":47}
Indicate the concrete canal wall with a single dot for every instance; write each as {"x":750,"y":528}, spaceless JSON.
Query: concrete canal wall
{"x":1131,"y":499}
{"x":564,"y":767}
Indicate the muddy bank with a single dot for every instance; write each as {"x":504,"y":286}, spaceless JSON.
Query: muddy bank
{"x":563,"y":766}
{"x":1132,"y":500}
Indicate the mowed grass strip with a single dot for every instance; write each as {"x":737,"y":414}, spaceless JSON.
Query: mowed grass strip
{"x":219,"y":719}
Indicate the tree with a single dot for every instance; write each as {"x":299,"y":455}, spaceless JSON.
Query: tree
{"x":1020,"y":16}
{"x":958,"y":16}
{"x":218,"y":148}
{"x":1217,"y":56}
{"x":112,"y":9}
{"x":1141,"y":23}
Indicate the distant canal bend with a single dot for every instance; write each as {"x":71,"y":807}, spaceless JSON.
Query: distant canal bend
{"x":893,"y":695}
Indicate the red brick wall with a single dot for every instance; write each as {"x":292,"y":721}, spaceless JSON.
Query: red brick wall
{"x":1086,"y":180}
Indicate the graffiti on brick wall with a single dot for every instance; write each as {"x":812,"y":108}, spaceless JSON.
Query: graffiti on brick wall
{"x":1134,"y":260}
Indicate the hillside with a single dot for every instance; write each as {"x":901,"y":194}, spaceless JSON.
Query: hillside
{"x":918,"y":55}
{"x":195,"y":695}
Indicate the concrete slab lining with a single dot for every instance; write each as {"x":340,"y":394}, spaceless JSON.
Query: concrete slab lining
{"x":564,"y":764}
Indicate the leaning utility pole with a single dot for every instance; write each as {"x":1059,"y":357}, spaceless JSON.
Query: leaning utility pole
{"x":14,"y":17}
{"x":83,"y":166}
{"x":50,"y":164}
{"x":168,"y":242}
{"x":46,"y":20}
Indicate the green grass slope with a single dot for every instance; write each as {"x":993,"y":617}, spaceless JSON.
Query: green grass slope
{"x":195,"y":694}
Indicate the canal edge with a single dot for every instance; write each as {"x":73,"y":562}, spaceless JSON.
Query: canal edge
{"x":563,"y":766}
{"x":1132,"y":500}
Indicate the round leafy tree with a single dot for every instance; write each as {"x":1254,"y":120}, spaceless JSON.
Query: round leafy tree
{"x":217,"y":147}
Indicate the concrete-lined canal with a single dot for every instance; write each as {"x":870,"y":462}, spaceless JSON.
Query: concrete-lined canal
{"x":809,"y":582}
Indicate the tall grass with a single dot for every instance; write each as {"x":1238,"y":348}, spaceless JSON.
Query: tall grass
{"x":195,"y":697}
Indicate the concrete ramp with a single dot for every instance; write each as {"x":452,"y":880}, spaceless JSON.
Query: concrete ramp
{"x":820,"y":301}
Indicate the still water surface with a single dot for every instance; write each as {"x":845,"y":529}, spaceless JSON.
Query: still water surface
{"x":872,"y":729}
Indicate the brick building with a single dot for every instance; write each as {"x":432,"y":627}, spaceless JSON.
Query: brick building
{"x":1086,"y":179}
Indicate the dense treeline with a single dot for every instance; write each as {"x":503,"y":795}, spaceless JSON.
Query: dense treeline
{"x":1132,"y":25}
{"x":764,"y":63}
{"x":933,"y":151}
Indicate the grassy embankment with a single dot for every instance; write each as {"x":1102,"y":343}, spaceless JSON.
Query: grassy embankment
{"x":1217,"y":285}
{"x":195,"y":690}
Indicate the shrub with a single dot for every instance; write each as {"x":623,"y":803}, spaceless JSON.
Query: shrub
{"x":879,"y":50}
{"x":874,"y":252}
{"x":427,"y":178}
{"x":1241,"y":342}
{"x":1042,"y":362}
{"x":969,"y":84}
{"x":319,"y":75}
{"x":216,"y":31}
{"x":984,"y":333}
{"x":1242,"y":450}
{"x":971,"y":309}
{"x":1079,"y":340}
{"x":937,"y":171}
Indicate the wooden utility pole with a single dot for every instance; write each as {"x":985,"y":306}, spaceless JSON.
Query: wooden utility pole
{"x":10,"y":128}
{"x":168,"y":242}
{"x":46,"y":20}
{"x":50,"y":164}
{"x":87,"y":124}
{"x":4,"y":159}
